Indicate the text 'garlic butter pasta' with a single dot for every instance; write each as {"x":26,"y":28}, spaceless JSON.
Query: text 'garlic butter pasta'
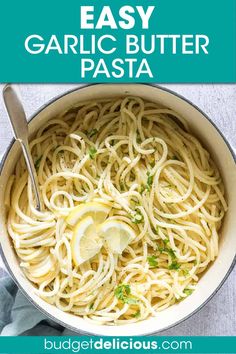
{"x":132,"y":206}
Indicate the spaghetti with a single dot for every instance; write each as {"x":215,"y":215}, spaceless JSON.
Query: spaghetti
{"x":140,"y":160}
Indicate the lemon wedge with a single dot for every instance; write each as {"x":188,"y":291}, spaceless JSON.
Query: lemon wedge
{"x":117,"y":235}
{"x":97,"y":211}
{"x":85,"y":242}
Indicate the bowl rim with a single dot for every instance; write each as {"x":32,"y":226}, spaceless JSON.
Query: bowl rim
{"x":5,"y":156}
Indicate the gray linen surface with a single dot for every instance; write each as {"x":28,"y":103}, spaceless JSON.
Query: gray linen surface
{"x":19,"y":317}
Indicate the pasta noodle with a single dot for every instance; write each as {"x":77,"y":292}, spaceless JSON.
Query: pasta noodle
{"x":140,"y":160}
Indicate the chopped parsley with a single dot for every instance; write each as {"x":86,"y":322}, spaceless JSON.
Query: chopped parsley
{"x":92,"y":152}
{"x":152,"y":261}
{"x":137,"y":314}
{"x":142,"y":189}
{"x":155,"y":231}
{"x":171,"y":253}
{"x":92,"y":133}
{"x":134,"y":202}
{"x":137,"y":218}
{"x":138,"y":139}
{"x":185,"y":272}
{"x":130,"y":300}
{"x":149,"y":181}
{"x":168,"y":250}
{"x":122,"y":187}
{"x":123,"y":293}
{"x":152,"y":164}
{"x":166,"y":241}
{"x":174,"y":266}
{"x":91,"y":306}
{"x":188,"y":291}
{"x":37,"y":162}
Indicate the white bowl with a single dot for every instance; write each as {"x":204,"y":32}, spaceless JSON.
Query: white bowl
{"x":223,"y":156}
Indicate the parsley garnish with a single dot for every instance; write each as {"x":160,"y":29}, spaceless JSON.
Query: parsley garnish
{"x":138,"y":139}
{"x":152,"y":164}
{"x":134,"y":202}
{"x":91,"y":306}
{"x":137,"y":314}
{"x":37,"y":162}
{"x":122,"y":187}
{"x":152,"y":261}
{"x":92,"y":152}
{"x":130,"y":300}
{"x":122,"y":293}
{"x":155,"y":231}
{"x":174,"y":266}
{"x":188,"y":291}
{"x":142,"y":189}
{"x":185,"y":272}
{"x":92,"y":133}
{"x":149,"y":181}
{"x":169,"y":251}
{"x":137,"y":218}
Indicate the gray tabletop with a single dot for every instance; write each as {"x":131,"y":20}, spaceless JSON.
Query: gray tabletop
{"x":218,"y":317}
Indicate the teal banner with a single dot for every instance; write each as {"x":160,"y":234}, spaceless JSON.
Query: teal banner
{"x":141,"y":345}
{"x":165,"y":41}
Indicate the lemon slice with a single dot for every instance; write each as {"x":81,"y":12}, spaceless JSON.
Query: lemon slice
{"x":85,"y":242}
{"x":97,"y":211}
{"x":117,"y":235}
